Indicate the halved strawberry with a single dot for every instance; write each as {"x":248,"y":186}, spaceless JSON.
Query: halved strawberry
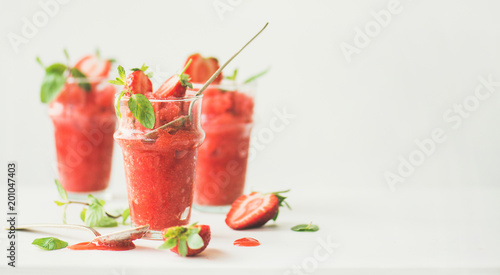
{"x":93,"y":66}
{"x":176,"y":85}
{"x":254,"y":210}
{"x":186,"y":240}
{"x":138,"y":81}
{"x":203,"y":68}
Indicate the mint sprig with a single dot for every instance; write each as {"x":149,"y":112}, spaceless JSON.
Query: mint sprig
{"x":50,"y":243}
{"x":55,"y":78}
{"x":305,"y":227}
{"x":139,"y":105}
{"x":93,"y":214}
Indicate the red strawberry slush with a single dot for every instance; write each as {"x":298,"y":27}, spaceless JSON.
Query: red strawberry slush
{"x":84,"y":123}
{"x":160,"y":171}
{"x":222,"y":160}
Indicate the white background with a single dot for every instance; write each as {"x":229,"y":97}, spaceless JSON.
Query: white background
{"x":352,"y":120}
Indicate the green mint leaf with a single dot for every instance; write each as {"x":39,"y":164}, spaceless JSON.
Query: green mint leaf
{"x":57,"y":68}
{"x":61,"y":190}
{"x":194,"y":241}
{"x":81,"y":78}
{"x":121,"y":73}
{"x":116,"y":82}
{"x":94,"y":215}
{"x":256,"y":76}
{"x":50,"y":243}
{"x":82,"y":214}
{"x":118,"y":113}
{"x":305,"y":228}
{"x":142,"y":110}
{"x":125,"y":215}
{"x":233,"y":77}
{"x":168,"y":244}
{"x":59,"y":203}
{"x":106,"y":222}
{"x":93,"y":200}
{"x":182,"y":247}
{"x":52,"y":85}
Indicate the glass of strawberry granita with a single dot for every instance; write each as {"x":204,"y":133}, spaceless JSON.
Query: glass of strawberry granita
{"x":84,"y":123}
{"x":222,"y":159}
{"x":160,"y":166}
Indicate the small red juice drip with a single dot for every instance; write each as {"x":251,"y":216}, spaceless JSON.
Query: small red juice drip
{"x":246,"y":242}
{"x":101,"y":246}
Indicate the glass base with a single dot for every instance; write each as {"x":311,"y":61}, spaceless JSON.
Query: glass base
{"x":82,"y":196}
{"x":223,"y":209}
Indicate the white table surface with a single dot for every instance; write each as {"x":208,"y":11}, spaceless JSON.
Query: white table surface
{"x":372,"y":231}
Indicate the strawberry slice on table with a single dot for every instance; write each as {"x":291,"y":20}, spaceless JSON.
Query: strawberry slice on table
{"x":255,"y":209}
{"x":203,"y":68}
{"x":138,"y":81}
{"x":176,"y":85}
{"x":186,"y":240}
{"x":93,"y":66}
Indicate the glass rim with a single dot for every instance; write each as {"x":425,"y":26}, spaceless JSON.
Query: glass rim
{"x":191,"y":97}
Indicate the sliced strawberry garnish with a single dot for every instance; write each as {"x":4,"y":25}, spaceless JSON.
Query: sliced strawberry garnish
{"x":254,"y":210}
{"x":93,"y":66}
{"x":138,"y":81}
{"x":203,"y":68}
{"x":176,"y":85}
{"x":186,"y":240}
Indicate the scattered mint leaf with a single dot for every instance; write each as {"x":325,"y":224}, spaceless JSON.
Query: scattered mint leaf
{"x":256,"y":76}
{"x":194,"y":241}
{"x":81,"y":78}
{"x":50,"y":243}
{"x":52,"y":85}
{"x":306,"y":227}
{"x":142,"y":110}
{"x":118,"y":113}
{"x":61,"y":191}
{"x":125,"y":215}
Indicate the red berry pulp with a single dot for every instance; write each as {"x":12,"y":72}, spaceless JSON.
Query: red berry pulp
{"x":246,"y":242}
{"x":222,"y":159}
{"x":160,"y":171}
{"x":84,"y":123}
